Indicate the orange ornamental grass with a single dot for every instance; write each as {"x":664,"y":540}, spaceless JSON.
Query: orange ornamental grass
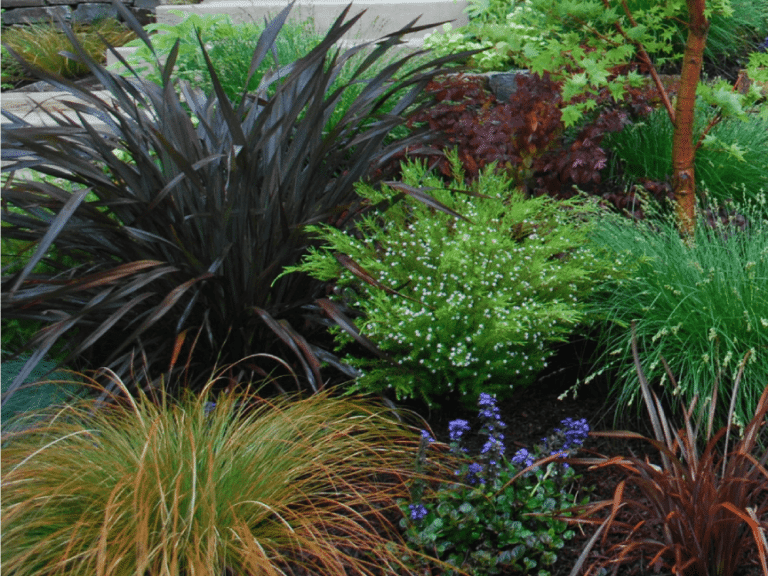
{"x":246,"y":486}
{"x":703,"y":511}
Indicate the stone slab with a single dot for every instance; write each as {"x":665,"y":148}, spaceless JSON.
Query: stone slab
{"x":35,"y":106}
{"x":35,"y":14}
{"x":93,"y":11}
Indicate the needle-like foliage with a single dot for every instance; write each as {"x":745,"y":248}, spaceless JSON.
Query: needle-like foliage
{"x":187,"y":208}
{"x":242,"y":485}
{"x":701,"y":510}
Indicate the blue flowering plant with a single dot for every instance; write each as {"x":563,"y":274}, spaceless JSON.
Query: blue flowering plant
{"x":495,"y":514}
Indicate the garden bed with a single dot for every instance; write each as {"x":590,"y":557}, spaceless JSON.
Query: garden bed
{"x":485,"y":273}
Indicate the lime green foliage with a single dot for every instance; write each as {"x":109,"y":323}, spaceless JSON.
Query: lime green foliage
{"x":479,"y":301}
{"x":548,"y":36}
{"x":703,"y":306}
{"x":731,"y":163}
{"x":503,"y":30}
{"x":514,"y":31}
{"x":41,"y":44}
{"x":581,"y":36}
{"x":734,"y":26}
{"x":240,"y":485}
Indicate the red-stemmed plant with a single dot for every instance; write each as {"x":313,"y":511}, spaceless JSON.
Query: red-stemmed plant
{"x":702,"y":510}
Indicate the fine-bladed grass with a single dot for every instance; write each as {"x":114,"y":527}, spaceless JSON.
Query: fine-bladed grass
{"x":207,"y":485}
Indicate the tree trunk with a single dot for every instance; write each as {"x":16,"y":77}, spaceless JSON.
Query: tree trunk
{"x":683,"y":175}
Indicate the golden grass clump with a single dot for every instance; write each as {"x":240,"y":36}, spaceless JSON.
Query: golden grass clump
{"x":246,"y":486}
{"x":42,"y":44}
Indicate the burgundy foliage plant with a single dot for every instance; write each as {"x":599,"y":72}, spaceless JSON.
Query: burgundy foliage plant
{"x":701,"y":509}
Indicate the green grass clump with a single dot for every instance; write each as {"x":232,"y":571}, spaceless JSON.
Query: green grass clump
{"x":241,"y":485}
{"x":41,"y":45}
{"x":229,"y":46}
{"x":732,"y":162}
{"x":701,"y":305}
{"x":471,"y":304}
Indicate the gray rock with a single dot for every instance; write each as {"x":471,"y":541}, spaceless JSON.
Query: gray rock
{"x":36,"y":14}
{"x":92,"y":11}
{"x":503,"y":84}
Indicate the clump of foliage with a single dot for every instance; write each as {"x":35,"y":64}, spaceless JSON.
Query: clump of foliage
{"x":586,"y":41}
{"x":228,"y":45}
{"x":502,"y":28}
{"x":496,"y":514}
{"x":185,"y":212}
{"x":525,"y":137}
{"x":700,"y":304}
{"x":732,"y":161}
{"x":735,"y":28}
{"x":42,"y":44}
{"x":462,"y":295}
{"x":207,"y":485}
{"x":701,"y":508}
{"x":511,"y":31}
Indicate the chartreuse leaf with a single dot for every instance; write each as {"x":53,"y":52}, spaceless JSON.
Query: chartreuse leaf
{"x":722,"y":95}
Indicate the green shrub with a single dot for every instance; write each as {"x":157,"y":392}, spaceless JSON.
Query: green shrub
{"x":470,"y":304}
{"x":207,"y":485}
{"x":41,"y":45}
{"x":510,"y":28}
{"x":732,"y":162}
{"x":185,"y":212}
{"x":702,"y":307}
{"x":496,"y":514}
{"x":502,"y":33}
{"x":732,"y":32}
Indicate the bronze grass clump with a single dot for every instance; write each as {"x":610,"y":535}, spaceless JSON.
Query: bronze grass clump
{"x":241,"y":486}
{"x":703,"y":511}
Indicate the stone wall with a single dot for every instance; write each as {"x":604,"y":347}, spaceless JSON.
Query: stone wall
{"x":25,"y":11}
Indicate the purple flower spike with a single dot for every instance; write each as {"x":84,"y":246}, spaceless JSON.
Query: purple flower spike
{"x":457,"y":428}
{"x":473,"y":473}
{"x":493,"y":444}
{"x":418,"y":512}
{"x":427,"y":436}
{"x":489,"y":411}
{"x":522,"y":458}
{"x":574,"y":432}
